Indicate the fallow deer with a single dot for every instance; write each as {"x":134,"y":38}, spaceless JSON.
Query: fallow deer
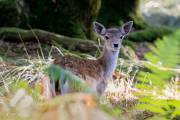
{"x":97,"y":72}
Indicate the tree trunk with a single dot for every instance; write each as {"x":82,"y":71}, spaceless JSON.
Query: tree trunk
{"x":91,"y":10}
{"x":116,"y":12}
{"x":67,"y":17}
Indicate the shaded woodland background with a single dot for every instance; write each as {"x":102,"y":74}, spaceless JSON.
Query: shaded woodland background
{"x":70,"y":17}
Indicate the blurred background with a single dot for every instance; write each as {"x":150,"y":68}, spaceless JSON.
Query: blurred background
{"x":161,"y":12}
{"x":74,"y":17}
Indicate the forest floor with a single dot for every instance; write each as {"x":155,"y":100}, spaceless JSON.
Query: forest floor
{"x":118,"y":102}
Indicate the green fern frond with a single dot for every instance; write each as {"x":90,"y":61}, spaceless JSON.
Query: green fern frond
{"x":164,"y":109}
{"x":165,"y":52}
{"x":163,"y":61}
{"x":75,"y":83}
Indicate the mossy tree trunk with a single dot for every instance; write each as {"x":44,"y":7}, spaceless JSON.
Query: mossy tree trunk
{"x":17,"y":35}
{"x":115,"y":12}
{"x":11,"y":13}
{"x":67,"y":17}
{"x":91,"y":10}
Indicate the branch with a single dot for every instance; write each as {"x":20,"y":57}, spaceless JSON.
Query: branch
{"x":160,"y":67}
{"x":11,"y":34}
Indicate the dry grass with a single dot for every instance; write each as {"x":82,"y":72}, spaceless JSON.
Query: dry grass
{"x":121,"y":92}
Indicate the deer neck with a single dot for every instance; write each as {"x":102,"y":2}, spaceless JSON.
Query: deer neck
{"x":109,"y":60}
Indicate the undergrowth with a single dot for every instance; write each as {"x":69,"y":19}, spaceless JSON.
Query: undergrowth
{"x":160,"y":79}
{"x":151,"y":84}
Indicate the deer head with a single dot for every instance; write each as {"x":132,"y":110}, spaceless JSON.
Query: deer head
{"x":112,"y":36}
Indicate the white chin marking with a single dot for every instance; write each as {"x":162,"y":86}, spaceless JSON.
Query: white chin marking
{"x":114,"y":50}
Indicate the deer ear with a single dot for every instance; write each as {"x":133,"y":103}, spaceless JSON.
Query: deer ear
{"x":126,"y":28}
{"x":99,"y":28}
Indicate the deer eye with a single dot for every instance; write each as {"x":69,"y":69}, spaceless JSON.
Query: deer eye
{"x":121,"y":37}
{"x":106,"y":37}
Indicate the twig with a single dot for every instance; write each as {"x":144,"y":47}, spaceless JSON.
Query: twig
{"x":24,"y":46}
{"x":39,"y":44}
{"x":160,"y":67}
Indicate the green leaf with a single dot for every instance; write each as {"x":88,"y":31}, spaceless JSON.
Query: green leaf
{"x":54,"y":72}
{"x":165,"y":53}
{"x":75,"y":83}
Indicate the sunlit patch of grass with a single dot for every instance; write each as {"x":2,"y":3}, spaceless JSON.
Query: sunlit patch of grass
{"x":163,"y":102}
{"x":23,"y":70}
{"x":121,"y":91}
{"x":170,"y":92}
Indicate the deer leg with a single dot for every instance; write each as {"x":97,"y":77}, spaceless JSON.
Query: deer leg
{"x":101,"y":86}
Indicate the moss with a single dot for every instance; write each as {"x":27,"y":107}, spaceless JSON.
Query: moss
{"x":129,"y":43}
{"x":13,"y":13}
{"x":149,"y":34}
{"x":9,"y":13}
{"x":67,"y":17}
{"x":116,"y":12}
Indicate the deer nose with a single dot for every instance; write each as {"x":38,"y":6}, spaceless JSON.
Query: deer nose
{"x":116,"y":45}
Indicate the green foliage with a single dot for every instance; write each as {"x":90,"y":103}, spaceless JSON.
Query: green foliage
{"x":113,"y":111}
{"x":164,"y":109}
{"x":162,"y":65}
{"x":23,"y":84}
{"x":162,"y":61}
{"x":35,"y":91}
{"x":61,"y":76}
{"x":149,"y":34}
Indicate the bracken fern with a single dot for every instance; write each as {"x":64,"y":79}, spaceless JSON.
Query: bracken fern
{"x":162,"y":61}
